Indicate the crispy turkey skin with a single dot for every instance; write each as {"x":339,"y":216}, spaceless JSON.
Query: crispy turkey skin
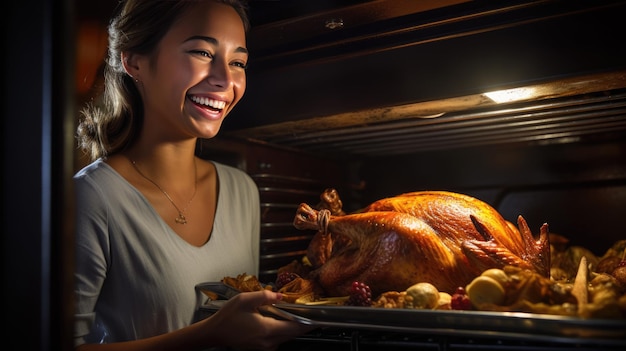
{"x":440,"y":237}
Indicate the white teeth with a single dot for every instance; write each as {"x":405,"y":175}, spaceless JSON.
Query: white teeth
{"x":216,"y":104}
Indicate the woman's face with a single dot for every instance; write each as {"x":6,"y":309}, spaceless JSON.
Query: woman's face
{"x":199,"y":73}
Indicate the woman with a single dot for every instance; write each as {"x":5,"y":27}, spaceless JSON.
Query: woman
{"x":153,"y":220}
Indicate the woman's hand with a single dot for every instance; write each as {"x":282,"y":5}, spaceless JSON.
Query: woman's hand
{"x":239,"y":324}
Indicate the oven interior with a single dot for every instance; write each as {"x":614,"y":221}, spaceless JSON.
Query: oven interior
{"x":578,"y":188}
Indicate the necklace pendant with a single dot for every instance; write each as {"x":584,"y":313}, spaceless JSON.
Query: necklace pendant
{"x":181,"y":219}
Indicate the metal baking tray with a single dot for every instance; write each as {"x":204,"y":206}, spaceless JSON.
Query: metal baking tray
{"x":217,"y":290}
{"x":516,"y":325}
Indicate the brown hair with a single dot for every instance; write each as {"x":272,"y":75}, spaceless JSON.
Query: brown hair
{"x":137,"y":28}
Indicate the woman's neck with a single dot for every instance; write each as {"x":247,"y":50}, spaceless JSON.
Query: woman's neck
{"x":165,"y":162}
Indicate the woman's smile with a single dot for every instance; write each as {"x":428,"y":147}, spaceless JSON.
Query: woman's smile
{"x":210,"y":108}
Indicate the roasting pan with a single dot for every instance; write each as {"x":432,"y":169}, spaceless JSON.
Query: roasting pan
{"x":503,"y":325}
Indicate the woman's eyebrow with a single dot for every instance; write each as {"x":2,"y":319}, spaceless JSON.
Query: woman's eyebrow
{"x":214,"y":41}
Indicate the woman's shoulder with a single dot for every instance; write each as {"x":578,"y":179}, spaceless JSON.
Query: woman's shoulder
{"x":98,"y":173}
{"x":92,"y":168}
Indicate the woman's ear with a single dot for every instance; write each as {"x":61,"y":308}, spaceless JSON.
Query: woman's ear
{"x":129,"y":61}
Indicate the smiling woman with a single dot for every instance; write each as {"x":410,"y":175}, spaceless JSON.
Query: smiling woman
{"x":154,"y":220}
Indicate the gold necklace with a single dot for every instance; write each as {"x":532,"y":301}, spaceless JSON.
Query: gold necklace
{"x":181,"y":219}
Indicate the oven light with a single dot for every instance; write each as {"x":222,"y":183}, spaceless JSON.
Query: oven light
{"x":510,"y":95}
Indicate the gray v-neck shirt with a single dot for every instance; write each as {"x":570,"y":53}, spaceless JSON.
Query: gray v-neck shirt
{"x":134,"y":276}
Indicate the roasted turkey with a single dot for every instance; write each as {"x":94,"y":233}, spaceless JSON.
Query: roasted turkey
{"x":444,"y":238}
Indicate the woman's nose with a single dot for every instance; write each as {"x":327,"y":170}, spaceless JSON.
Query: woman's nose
{"x":219,"y":73}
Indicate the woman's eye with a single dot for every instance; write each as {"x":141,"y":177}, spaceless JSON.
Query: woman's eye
{"x":202,"y":53}
{"x":210,"y":56}
{"x":240,"y":64}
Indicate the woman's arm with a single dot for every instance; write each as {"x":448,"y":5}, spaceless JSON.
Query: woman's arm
{"x":237,"y":324}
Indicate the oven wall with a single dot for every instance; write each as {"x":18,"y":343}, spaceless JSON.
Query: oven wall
{"x":285,"y":179}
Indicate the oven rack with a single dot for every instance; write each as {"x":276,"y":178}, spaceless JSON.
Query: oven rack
{"x":340,"y":339}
